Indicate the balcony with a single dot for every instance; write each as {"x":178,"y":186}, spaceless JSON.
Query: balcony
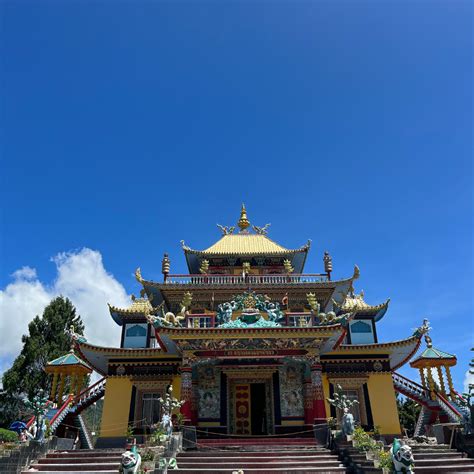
{"x":254,"y":280}
{"x":206,"y":321}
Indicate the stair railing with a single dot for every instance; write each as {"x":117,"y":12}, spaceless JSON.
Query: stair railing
{"x":407,"y":385}
{"x":453,"y":414}
{"x":61,"y":413}
{"x":90,"y":391}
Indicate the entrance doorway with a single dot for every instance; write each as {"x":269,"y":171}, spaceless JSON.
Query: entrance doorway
{"x":250,"y":407}
{"x":258,"y":409}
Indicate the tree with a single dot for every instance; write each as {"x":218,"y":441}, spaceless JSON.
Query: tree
{"x":46,"y":340}
{"x":408,"y":412}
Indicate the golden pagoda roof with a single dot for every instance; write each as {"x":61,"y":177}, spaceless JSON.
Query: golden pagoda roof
{"x":355,"y":303}
{"x":247,"y":244}
{"x":139,"y":307}
{"x":245,"y":240}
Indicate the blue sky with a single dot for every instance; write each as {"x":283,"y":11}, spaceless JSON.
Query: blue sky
{"x":129,"y":126}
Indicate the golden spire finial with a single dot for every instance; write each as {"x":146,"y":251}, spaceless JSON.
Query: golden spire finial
{"x":243,"y":221}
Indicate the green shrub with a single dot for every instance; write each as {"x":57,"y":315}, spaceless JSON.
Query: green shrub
{"x":7,"y":436}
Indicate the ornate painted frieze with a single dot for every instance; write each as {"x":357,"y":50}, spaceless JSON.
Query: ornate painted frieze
{"x":291,"y":389}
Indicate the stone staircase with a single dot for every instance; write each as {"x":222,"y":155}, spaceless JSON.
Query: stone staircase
{"x":429,"y":459}
{"x":261,"y":456}
{"x":105,"y":461}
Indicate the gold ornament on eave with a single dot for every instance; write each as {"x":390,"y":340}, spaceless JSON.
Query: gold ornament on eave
{"x":187,"y":299}
{"x":204,"y":268}
{"x":246,"y":267}
{"x":288,"y":267}
{"x":313,"y":302}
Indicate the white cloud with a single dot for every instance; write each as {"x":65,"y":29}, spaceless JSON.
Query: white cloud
{"x":82,"y":278}
{"x":25,"y":273}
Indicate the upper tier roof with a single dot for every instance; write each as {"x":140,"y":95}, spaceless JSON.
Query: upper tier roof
{"x":355,"y":304}
{"x":245,"y":244}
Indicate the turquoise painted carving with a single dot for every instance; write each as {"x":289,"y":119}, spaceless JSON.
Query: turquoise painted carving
{"x":251,"y":306}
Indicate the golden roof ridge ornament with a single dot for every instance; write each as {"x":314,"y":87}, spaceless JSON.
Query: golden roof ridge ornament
{"x":226,"y":230}
{"x":243,"y":222}
{"x":261,"y":230}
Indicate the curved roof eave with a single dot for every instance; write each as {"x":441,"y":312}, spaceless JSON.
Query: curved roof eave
{"x":98,"y":356}
{"x":400,"y":352}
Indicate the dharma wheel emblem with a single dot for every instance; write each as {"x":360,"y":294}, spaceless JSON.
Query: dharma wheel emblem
{"x":378,"y":367}
{"x":120,"y":370}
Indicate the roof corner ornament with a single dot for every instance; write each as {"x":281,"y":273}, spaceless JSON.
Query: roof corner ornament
{"x":423,"y":329}
{"x":75,"y":337}
{"x":226,"y":230}
{"x":243,"y":222}
{"x":261,"y":230}
{"x":138,"y":275}
{"x":356,"y":273}
{"x":327,"y":259}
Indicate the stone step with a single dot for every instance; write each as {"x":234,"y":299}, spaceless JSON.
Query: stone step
{"x":240,"y":448}
{"x":254,"y":454}
{"x":81,"y":460}
{"x":86,"y":453}
{"x":430,"y":454}
{"x":99,"y":467}
{"x":114,"y":471}
{"x":444,"y":456}
{"x":443,"y":469}
{"x":290,"y":470}
{"x":442,"y":462}
{"x":208,"y":459}
{"x":238,"y":464}
{"x":421,"y":447}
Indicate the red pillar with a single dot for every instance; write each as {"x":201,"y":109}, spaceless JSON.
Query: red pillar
{"x":186,"y":393}
{"x":319,"y":408}
{"x":308,"y":401}
{"x":194,"y":402}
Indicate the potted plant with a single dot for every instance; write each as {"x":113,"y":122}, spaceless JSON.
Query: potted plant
{"x":332,"y":424}
{"x":385,"y":462}
{"x":148,"y":460}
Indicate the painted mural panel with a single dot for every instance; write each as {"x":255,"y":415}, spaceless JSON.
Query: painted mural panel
{"x":209,"y":392}
{"x":291,"y":390}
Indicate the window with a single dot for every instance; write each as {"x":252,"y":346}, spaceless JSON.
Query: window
{"x":362,"y":331}
{"x":150,"y":409}
{"x":135,"y":335}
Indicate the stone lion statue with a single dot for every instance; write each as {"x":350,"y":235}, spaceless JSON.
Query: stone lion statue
{"x":402,"y":457}
{"x":131,"y":461}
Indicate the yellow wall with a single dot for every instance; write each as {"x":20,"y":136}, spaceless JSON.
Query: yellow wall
{"x":118,"y":394}
{"x":383,"y":403}
{"x":176,"y":384}
{"x":326,"y":395}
